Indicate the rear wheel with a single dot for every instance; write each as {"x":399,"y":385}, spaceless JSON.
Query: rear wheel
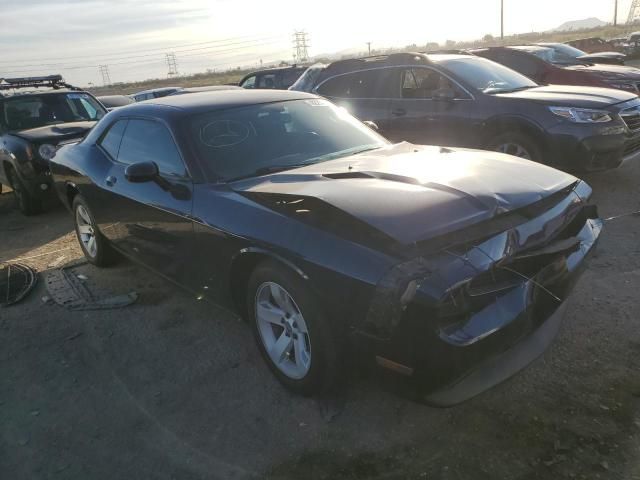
{"x":26,"y":203}
{"x":294,"y":336}
{"x":516,"y":144}
{"x":95,"y":247}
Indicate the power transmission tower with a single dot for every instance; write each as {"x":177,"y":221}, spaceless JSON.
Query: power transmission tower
{"x":104,"y":71}
{"x":301,"y":44}
{"x":634,"y":11}
{"x":172,"y":64}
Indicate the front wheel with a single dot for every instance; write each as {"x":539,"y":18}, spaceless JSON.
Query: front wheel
{"x":294,"y":336}
{"x":26,"y":203}
{"x":516,"y":144}
{"x":95,"y":247}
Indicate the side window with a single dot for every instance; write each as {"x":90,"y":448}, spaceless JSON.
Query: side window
{"x":249,"y":82}
{"x":376,"y":83}
{"x":150,"y":141}
{"x":112,"y":139}
{"x":525,"y":64}
{"x":267,"y":81}
{"x":423,"y":82}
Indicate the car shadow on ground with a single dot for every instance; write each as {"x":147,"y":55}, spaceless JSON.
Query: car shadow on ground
{"x":20,"y":234}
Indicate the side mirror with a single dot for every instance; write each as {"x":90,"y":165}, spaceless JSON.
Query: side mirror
{"x":141,"y":172}
{"x":372,"y":125}
{"x":444,"y":94}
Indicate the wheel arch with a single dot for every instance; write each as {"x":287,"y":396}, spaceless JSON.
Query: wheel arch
{"x":70,"y":192}
{"x":244,"y":263}
{"x":513,"y":123}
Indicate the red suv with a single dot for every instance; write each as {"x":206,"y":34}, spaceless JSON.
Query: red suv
{"x":549,"y":66}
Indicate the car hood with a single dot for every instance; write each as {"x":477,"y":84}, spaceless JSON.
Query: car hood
{"x":572,"y":96}
{"x":614,"y":72}
{"x":55,"y":133}
{"x":405,"y":192}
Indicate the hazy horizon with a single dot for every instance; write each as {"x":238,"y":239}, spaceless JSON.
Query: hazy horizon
{"x":74,"y":37}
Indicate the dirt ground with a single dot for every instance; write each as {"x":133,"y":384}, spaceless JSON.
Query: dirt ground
{"x":174,"y":388}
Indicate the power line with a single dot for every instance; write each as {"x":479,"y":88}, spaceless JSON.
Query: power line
{"x":160,"y":59}
{"x":258,"y":41}
{"x":225,"y":41}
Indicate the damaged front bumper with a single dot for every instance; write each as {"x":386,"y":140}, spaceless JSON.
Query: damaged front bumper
{"x":482,"y":305}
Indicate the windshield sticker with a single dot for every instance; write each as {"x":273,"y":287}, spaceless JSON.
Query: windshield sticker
{"x":224,"y":133}
{"x":74,"y":96}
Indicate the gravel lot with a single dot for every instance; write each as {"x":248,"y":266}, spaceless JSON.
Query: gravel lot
{"x":174,"y":388}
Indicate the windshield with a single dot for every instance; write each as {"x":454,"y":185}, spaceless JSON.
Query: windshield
{"x":250,"y":141}
{"x":567,"y":50}
{"x":487,"y":76}
{"x":33,"y":111}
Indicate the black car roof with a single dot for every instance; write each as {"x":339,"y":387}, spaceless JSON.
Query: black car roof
{"x":214,"y":100}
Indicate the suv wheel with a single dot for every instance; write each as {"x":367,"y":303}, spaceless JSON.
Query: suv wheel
{"x":295,"y":338}
{"x":516,"y":144}
{"x":26,"y":203}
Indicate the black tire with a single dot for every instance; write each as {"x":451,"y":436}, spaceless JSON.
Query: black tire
{"x":25,"y":202}
{"x":516,"y":139}
{"x":104,"y":254}
{"x":325,"y":345}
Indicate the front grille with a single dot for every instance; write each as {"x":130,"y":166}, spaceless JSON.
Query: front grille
{"x":632,"y":146}
{"x":632,"y":120}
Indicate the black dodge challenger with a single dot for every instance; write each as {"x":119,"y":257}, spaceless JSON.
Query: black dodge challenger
{"x":449,"y":267}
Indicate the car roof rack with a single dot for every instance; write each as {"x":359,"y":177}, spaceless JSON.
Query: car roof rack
{"x":50,"y":81}
{"x":402,"y":58}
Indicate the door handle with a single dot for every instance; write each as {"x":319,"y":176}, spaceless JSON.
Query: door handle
{"x":110,"y":181}
{"x":398,"y":112}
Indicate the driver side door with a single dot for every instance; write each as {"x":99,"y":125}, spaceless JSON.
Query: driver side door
{"x":148,"y":221}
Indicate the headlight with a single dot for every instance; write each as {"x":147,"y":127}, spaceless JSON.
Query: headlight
{"x":47,"y":151}
{"x":582,"y":115}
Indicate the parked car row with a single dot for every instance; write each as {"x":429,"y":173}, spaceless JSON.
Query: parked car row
{"x":348,"y":215}
{"x":467,"y":100}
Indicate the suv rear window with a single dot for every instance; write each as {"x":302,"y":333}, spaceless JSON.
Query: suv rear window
{"x":33,"y":111}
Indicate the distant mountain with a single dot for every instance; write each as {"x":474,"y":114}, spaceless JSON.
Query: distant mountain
{"x":592,"y":22}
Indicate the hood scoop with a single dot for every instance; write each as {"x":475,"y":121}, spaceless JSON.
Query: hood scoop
{"x":369,"y":175}
{"x":345,"y":175}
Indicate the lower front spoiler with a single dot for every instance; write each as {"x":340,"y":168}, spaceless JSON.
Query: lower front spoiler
{"x":501,"y":367}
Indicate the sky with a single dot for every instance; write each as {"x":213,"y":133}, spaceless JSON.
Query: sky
{"x":132,"y":37}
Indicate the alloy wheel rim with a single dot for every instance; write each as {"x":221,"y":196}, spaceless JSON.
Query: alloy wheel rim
{"x":514,"y":149}
{"x":86,"y":231}
{"x":283,"y":330}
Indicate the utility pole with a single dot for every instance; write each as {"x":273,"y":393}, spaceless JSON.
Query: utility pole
{"x":172,"y":64}
{"x":615,"y":13}
{"x":301,"y":44}
{"x":501,"y":19}
{"x":369,"y":46}
{"x":104,"y":71}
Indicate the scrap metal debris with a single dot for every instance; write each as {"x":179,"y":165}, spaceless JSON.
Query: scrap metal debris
{"x":16,"y":281}
{"x":72,"y":291}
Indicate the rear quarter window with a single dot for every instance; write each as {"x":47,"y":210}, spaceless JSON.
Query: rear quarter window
{"x":113,"y":138}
